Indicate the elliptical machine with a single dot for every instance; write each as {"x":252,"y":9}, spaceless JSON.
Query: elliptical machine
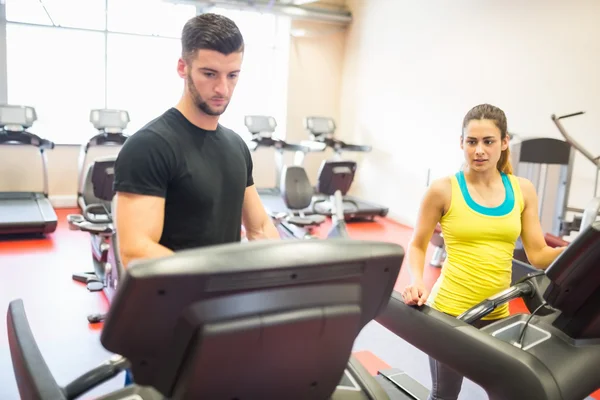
{"x":108,"y":269}
{"x":335,"y":178}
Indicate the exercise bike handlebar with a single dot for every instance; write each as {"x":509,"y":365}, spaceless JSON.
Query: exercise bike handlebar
{"x":78,"y":223}
{"x":573,"y":142}
{"x":91,"y":210}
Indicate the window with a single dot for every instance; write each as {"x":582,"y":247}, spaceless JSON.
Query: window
{"x":148,"y":17}
{"x":28,"y":11}
{"x":142,"y":76}
{"x":88,"y":14}
{"x":60,"y":72}
{"x":262,"y":86}
{"x":260,"y":90}
{"x":126,"y":58}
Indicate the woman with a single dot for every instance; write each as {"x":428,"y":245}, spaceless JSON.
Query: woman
{"x":482,"y":209}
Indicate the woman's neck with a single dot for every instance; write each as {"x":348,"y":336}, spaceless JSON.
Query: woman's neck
{"x":485,"y":178}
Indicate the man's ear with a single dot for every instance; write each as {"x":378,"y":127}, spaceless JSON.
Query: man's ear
{"x":182,"y":68}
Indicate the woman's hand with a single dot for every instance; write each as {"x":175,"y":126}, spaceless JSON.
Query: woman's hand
{"x":415,"y":294}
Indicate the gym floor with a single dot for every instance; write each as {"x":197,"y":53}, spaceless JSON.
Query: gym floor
{"x":39,"y":272}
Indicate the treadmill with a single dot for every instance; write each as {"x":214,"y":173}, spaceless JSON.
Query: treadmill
{"x":217,"y":323}
{"x":321,"y":131}
{"x":110,"y":125}
{"x":552,"y":353}
{"x":25,"y":212}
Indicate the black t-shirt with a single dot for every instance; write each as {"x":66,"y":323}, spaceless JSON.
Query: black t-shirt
{"x":201,"y":174}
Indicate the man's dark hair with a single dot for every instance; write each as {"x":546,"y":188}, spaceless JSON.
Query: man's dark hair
{"x":210,"y":32}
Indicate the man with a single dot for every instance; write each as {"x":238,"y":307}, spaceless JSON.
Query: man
{"x":183,"y":180}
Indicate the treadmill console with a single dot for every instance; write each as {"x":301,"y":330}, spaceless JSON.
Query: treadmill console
{"x":109,"y":120}
{"x":21,"y":116}
{"x":575,"y":286}
{"x":322,"y":130}
{"x":103,"y":177}
{"x":319,"y":126}
{"x":283,"y":325}
{"x":260,"y":125}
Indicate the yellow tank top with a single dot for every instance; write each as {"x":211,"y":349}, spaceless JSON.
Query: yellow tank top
{"x":479,"y":244}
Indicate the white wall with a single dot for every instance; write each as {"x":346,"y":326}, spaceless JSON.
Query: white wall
{"x":412,"y":70}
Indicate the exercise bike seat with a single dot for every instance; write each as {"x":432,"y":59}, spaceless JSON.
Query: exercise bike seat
{"x":296,"y":189}
{"x":309,"y":220}
{"x":297,"y":194}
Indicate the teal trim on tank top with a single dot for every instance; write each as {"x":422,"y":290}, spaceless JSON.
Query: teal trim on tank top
{"x":503,"y":209}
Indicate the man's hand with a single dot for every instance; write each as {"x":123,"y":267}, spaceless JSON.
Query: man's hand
{"x":255,"y":219}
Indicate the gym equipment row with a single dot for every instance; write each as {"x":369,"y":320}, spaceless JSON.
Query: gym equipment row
{"x":233,"y":333}
{"x":548,"y":164}
{"x":32,"y":212}
{"x":95,"y":198}
{"x":96,"y":218}
{"x":298,"y":215}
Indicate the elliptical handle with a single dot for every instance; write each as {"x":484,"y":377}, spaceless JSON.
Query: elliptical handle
{"x":490,"y":304}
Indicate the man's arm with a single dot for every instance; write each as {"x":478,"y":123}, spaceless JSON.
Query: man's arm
{"x":144,"y":168}
{"x":139,"y":223}
{"x":539,"y":254}
{"x":255,"y":219}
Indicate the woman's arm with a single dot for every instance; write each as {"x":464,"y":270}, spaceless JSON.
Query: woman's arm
{"x":431,"y":210}
{"x":540,"y":255}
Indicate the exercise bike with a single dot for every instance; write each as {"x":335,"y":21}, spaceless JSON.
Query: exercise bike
{"x":334,"y":181}
{"x":103,"y":236}
{"x":321,"y":131}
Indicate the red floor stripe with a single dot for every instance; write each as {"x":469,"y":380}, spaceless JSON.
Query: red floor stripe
{"x":370,"y":361}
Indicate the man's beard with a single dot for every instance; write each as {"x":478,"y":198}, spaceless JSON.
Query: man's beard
{"x":199,"y":101}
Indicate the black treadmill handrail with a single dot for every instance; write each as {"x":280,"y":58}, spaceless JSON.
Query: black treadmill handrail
{"x":340,"y":145}
{"x":278,"y":144}
{"x":423,"y":326}
{"x":10,"y":137}
{"x":105,"y":138}
{"x":482,"y":309}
